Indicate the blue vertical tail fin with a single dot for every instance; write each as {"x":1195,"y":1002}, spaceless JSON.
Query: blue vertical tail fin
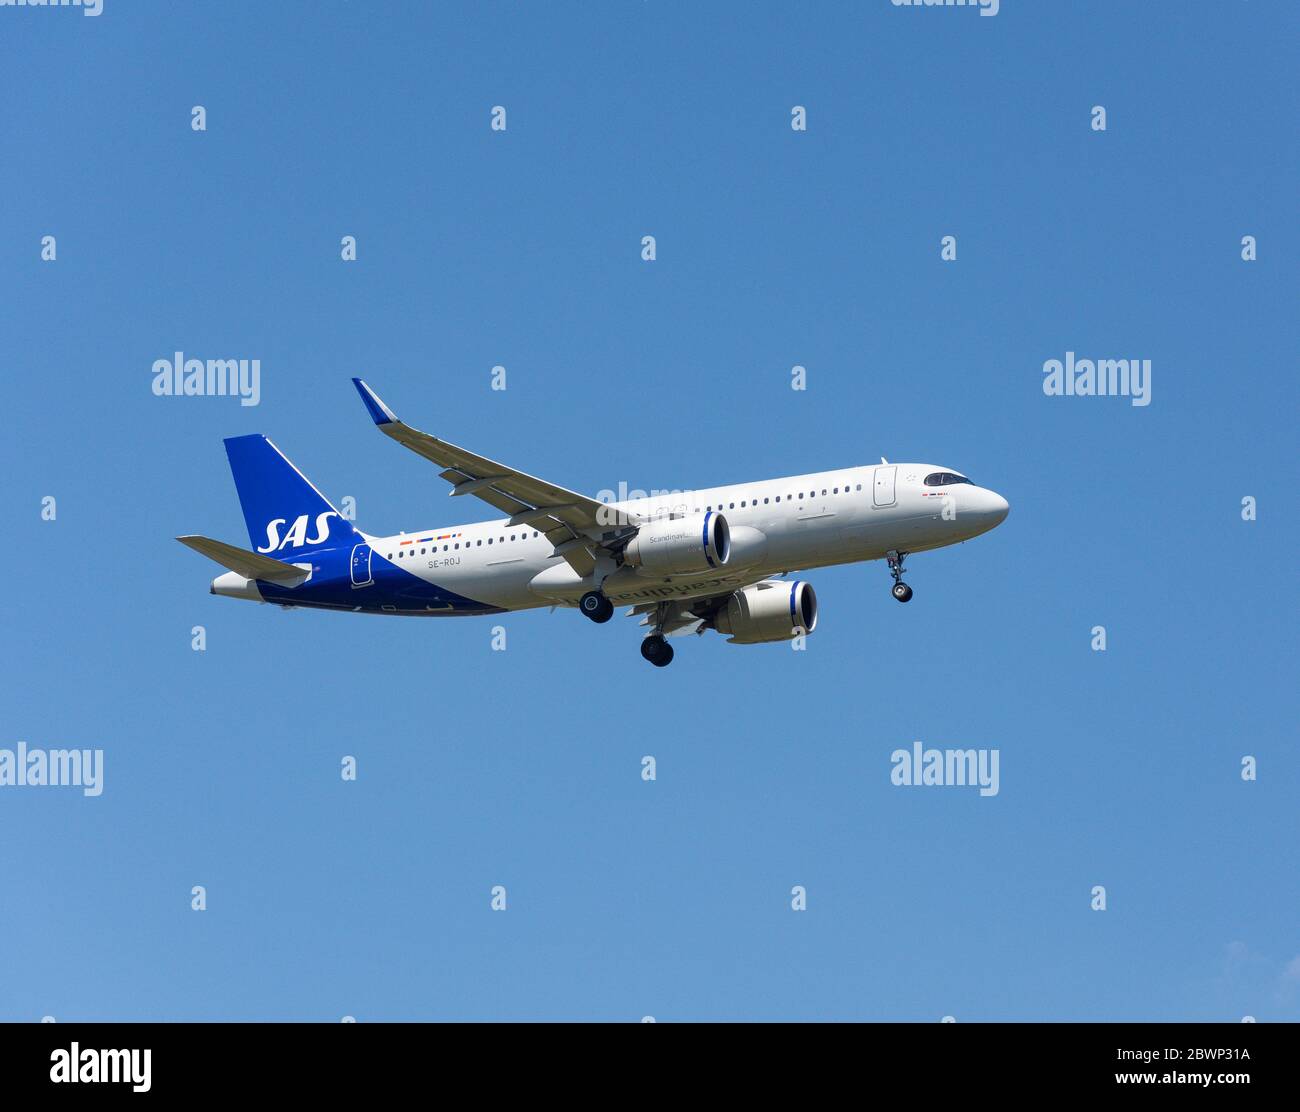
{"x":287,"y":517}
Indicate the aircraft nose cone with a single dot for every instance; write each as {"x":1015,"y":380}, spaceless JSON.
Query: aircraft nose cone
{"x":987,"y":508}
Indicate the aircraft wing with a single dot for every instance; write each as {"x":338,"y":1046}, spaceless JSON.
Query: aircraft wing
{"x":576,"y":525}
{"x":678,"y":617}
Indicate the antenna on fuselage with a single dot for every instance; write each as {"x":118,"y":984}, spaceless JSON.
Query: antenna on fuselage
{"x":883,"y":460}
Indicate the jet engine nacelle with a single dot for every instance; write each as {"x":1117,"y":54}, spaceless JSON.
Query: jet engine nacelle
{"x":680,"y":546}
{"x":774,"y":610}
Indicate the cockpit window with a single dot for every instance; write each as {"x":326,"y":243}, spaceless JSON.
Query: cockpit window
{"x":944,"y":478}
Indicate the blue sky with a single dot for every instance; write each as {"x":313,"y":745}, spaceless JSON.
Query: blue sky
{"x":775,"y":248}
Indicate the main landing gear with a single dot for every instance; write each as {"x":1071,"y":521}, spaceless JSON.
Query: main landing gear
{"x":656,"y":649}
{"x":596,"y":607}
{"x":901,"y":590}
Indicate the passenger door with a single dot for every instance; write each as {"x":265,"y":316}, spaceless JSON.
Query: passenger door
{"x":882,"y":492}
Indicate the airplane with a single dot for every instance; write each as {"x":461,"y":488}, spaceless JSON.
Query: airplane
{"x":685,"y":562}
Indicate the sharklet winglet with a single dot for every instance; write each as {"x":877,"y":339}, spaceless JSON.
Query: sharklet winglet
{"x":379,"y":413}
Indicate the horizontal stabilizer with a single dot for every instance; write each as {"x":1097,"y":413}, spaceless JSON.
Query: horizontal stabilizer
{"x":245,"y":563}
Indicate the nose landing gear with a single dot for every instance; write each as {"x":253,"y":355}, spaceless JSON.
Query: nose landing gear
{"x":901,"y":590}
{"x":596,"y":606}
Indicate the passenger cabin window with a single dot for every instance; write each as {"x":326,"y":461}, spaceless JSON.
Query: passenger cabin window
{"x":944,"y":478}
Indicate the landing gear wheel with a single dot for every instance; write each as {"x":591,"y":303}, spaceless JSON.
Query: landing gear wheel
{"x":596,"y":607}
{"x":901,"y":590}
{"x":657,"y":650}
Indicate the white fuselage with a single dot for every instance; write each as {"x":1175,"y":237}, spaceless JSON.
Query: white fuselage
{"x":777,"y":525}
